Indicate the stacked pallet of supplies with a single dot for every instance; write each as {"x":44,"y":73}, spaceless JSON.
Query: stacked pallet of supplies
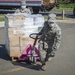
{"x":18,"y":27}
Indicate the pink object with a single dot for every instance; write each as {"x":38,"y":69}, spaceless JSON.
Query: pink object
{"x":26,"y":52}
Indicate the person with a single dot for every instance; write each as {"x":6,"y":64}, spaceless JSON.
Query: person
{"x":49,"y":40}
{"x":23,"y":8}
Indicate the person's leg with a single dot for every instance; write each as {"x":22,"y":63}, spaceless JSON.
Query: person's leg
{"x":50,"y":53}
{"x":42,"y":54}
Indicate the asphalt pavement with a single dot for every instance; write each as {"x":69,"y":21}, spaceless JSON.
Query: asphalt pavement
{"x":62,"y":64}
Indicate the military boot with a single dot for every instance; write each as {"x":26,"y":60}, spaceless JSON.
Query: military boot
{"x":49,"y":58}
{"x":52,"y":54}
{"x":43,"y":67}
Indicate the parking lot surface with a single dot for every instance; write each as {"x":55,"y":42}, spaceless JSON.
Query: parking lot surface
{"x":62,"y":64}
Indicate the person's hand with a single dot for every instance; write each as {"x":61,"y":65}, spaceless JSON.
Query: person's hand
{"x":54,"y":48}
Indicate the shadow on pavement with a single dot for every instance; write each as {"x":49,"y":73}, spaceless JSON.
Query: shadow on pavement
{"x":3,"y":53}
{"x":27,"y":65}
{"x":70,"y":16}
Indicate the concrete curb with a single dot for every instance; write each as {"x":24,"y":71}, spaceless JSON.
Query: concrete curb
{"x":2,"y":24}
{"x":66,"y":21}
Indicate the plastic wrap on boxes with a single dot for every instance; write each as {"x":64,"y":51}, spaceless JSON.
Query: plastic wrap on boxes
{"x":15,"y":20}
{"x":31,"y":29}
{"x":39,"y":20}
{"x":28,"y":21}
{"x":33,"y":23}
{"x":18,"y":27}
{"x":34,"y":20}
{"x":21,"y":20}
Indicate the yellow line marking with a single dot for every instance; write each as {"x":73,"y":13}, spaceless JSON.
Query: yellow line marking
{"x":12,"y":70}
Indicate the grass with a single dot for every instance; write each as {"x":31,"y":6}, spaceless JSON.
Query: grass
{"x":1,"y":17}
{"x":65,"y":6}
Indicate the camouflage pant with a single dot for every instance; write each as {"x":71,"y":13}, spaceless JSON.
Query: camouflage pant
{"x":44,"y":53}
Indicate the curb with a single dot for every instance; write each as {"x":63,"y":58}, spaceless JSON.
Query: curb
{"x":66,"y":21}
{"x":2,"y":24}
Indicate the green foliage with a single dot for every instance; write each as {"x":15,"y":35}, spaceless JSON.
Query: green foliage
{"x":1,"y":17}
{"x":66,"y":6}
{"x":66,"y":1}
{"x":69,"y":5}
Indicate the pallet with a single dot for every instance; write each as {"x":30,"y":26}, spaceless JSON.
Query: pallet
{"x":13,"y":59}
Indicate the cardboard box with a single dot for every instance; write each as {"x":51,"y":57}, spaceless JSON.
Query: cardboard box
{"x":14,"y":51}
{"x":14,"y":20}
{"x":14,"y":41}
{"x":17,"y":30}
{"x":24,"y":41}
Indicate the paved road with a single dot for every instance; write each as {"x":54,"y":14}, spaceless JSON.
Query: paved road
{"x":58,"y":12}
{"x":62,"y":64}
{"x":67,"y":13}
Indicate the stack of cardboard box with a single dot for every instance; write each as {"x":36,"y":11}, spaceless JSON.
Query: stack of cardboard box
{"x":16,"y":38}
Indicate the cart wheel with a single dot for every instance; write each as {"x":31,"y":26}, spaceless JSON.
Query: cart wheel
{"x":33,"y":60}
{"x":13,"y":59}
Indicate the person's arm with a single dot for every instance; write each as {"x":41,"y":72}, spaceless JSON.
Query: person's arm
{"x":40,"y":32}
{"x":57,"y":39}
{"x":17,"y":11}
{"x":44,"y":29}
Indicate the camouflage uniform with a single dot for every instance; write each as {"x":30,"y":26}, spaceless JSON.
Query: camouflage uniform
{"x":50,"y":39}
{"x":23,"y":8}
{"x":26,"y":10}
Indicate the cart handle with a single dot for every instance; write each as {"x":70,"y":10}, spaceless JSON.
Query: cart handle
{"x":34,"y":35}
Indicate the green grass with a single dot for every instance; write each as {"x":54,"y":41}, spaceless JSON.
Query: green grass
{"x":65,"y":6}
{"x":1,"y":17}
